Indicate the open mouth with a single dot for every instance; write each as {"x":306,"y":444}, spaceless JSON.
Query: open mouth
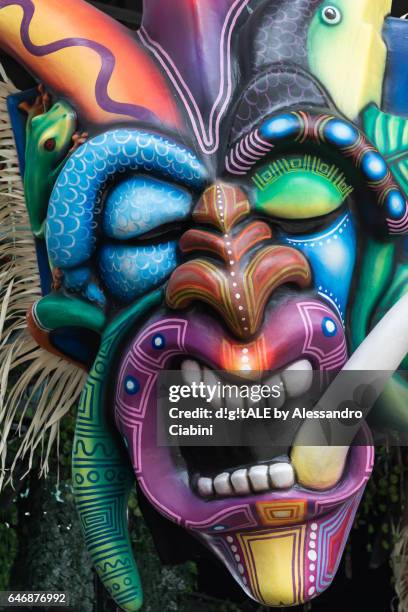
{"x":248,"y":468}
{"x":195,"y":486}
{"x":255,"y":498}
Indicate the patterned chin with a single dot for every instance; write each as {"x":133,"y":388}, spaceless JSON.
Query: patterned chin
{"x":283,"y":547}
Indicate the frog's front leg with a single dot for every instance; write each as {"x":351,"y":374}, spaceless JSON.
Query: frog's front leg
{"x":78,"y":139}
{"x":40,"y":105}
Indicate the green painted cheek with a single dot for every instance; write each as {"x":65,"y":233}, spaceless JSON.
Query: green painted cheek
{"x":299,"y":196}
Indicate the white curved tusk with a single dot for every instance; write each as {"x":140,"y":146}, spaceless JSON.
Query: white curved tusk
{"x":320,"y":466}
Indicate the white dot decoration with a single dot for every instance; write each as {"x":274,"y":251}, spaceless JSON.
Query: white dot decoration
{"x":311,"y":553}
{"x":324,"y":293}
{"x":319,"y":241}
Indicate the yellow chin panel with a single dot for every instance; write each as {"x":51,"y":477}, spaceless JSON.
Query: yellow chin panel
{"x":349,"y":57}
{"x":275,"y":564}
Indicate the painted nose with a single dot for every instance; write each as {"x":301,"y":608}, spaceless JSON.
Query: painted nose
{"x":235,"y":284}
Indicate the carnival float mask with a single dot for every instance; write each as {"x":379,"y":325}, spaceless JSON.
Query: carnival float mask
{"x":219,"y":218}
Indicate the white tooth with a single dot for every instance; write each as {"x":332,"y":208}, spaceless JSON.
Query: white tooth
{"x":191,"y":371}
{"x":232,"y":402}
{"x":240,"y":482}
{"x":258,"y":475}
{"x":222,"y":484}
{"x":205,"y":487}
{"x":282,"y":475}
{"x":298,"y":378}
{"x":209,"y":378}
{"x":277,"y":402}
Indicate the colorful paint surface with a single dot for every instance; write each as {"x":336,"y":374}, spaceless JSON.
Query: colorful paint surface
{"x":222,"y":189}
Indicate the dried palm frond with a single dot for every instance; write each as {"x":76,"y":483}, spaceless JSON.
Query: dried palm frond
{"x":36,"y":388}
{"x":399,"y":560}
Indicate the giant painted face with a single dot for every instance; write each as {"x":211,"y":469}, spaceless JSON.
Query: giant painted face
{"x":214,"y":192}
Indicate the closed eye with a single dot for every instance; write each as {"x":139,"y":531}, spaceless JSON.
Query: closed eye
{"x":299,"y":188}
{"x":163,"y":233}
{"x":309,"y":226}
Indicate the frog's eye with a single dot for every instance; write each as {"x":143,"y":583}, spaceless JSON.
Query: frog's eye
{"x":49,"y":144}
{"x":331,"y":15}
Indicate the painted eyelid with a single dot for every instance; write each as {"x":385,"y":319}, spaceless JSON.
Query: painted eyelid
{"x":141,"y":204}
{"x":300,"y":193}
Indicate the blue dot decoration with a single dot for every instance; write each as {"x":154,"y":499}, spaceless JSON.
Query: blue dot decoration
{"x":158,"y":342}
{"x":329,"y":327}
{"x":396,"y":205}
{"x":374,"y":167}
{"x":132,"y":386}
{"x":219,"y":528}
{"x":280,"y":128}
{"x":340,"y":133}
